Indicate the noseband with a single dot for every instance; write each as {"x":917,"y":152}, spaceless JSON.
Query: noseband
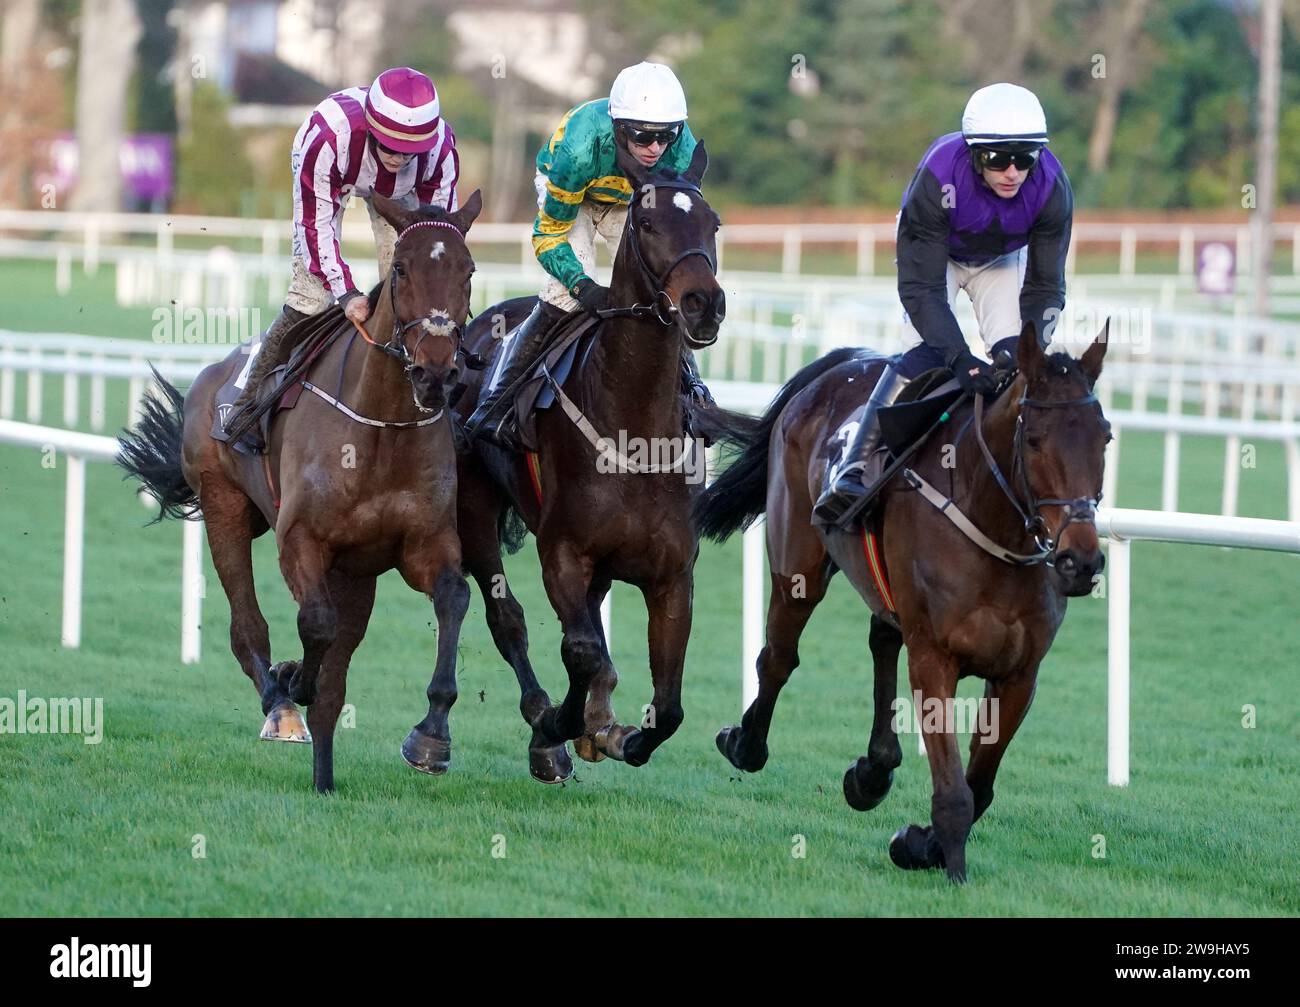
{"x":436,"y":323}
{"x":1081,"y":510}
{"x":661,"y":308}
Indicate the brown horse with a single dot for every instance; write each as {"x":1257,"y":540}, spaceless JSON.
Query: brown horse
{"x":366,"y":482}
{"x":985,"y":601}
{"x":597,"y":521}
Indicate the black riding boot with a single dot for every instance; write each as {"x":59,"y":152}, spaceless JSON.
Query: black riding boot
{"x":275,"y":351}
{"x":268,"y":357}
{"x":528,"y":344}
{"x":846,"y":482}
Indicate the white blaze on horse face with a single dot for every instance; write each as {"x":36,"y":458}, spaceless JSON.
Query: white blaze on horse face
{"x":682,"y":202}
{"x":436,"y":251}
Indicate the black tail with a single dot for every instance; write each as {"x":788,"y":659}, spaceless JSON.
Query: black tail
{"x":739,"y":495}
{"x":152,"y":452}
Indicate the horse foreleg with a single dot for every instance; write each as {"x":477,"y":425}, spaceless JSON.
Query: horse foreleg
{"x":355,"y":599}
{"x":1003,"y":710}
{"x":598,"y":715}
{"x":305,"y":562}
{"x":868,"y":780}
{"x":428,"y":746}
{"x":567,"y":577}
{"x":669,"y":606}
{"x":952,"y":808}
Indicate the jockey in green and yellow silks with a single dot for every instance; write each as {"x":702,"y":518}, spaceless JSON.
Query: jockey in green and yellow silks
{"x":581,"y":192}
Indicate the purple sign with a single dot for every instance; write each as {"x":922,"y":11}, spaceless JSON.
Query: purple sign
{"x":1216,"y":268}
{"x":145,"y":159}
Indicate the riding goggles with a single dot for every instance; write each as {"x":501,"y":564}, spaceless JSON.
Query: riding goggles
{"x":1001,"y":160}
{"x":643,"y":137}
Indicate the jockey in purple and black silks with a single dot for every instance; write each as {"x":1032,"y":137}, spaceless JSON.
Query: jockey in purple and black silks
{"x":988,"y":211}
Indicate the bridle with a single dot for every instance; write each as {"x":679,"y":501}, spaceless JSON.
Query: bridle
{"x":661,"y":306}
{"x":1081,"y":510}
{"x":434,"y":323}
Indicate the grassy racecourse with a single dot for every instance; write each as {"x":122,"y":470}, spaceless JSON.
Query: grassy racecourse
{"x":1207,"y":826}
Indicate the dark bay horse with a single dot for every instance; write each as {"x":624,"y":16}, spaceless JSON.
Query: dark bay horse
{"x":358,"y":493}
{"x":598,"y":522}
{"x":1026,"y":472}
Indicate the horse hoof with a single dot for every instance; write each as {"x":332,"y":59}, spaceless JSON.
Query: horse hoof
{"x":550,"y":765}
{"x":862,"y":798}
{"x":428,"y":755}
{"x":285,"y":723}
{"x":587,"y":750}
{"x":914,"y":849}
{"x":729,"y":741}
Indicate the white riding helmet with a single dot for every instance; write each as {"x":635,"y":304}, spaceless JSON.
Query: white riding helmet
{"x":1004,"y":114}
{"x":649,"y":93}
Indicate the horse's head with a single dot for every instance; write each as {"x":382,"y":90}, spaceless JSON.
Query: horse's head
{"x":669,"y":245}
{"x":428,"y":291}
{"x":1061,"y":437}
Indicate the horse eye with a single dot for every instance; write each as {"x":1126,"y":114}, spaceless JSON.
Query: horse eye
{"x":645,"y":224}
{"x":398,"y":269}
{"x":1034,"y":443}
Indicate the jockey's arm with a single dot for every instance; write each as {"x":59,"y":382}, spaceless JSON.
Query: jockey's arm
{"x":319,"y":198}
{"x":1042,"y":295}
{"x":566,"y":187}
{"x":923,"y":254}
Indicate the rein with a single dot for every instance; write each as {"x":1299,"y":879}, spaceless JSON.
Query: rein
{"x":1027,"y":504}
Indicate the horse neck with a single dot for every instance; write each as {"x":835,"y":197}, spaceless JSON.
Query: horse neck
{"x":984,"y":501}
{"x":637,"y":367}
{"x":381,"y":390}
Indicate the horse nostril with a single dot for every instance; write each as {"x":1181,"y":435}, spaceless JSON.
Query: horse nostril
{"x":452,"y":376}
{"x":1067,"y":564}
{"x":720,"y":305}
{"x":694,"y":304}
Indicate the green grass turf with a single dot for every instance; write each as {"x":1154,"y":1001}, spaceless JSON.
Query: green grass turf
{"x":1206,"y":827}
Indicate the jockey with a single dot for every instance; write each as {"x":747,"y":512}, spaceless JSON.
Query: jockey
{"x":988,"y":211}
{"x":389,"y":138}
{"x":581,"y":192}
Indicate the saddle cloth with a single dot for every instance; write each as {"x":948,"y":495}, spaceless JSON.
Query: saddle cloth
{"x":914,"y":412}
{"x":303,"y":354}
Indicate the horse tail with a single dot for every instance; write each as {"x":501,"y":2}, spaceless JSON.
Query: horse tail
{"x":151,"y":452}
{"x":739,"y":495}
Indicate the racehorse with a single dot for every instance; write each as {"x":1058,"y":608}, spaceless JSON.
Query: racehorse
{"x":973,"y":578}
{"x":598,"y":514}
{"x":354,"y":483}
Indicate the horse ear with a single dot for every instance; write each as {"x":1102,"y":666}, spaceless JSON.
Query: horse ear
{"x":392,"y":211}
{"x":468,"y":212}
{"x":630,"y":166}
{"x":1093,"y":356}
{"x":1029,"y":351}
{"x":699,"y":165}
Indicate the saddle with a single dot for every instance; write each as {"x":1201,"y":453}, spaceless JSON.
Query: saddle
{"x":903,"y":426}
{"x":281,"y":387}
{"x":570,"y":348}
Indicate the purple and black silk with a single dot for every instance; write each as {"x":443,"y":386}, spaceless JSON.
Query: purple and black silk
{"x":950,"y":213}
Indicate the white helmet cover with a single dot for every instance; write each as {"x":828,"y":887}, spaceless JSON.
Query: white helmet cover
{"x":647,"y":92}
{"x":1003,"y":113}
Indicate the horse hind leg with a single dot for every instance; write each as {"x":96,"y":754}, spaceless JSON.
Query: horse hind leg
{"x":229,"y":522}
{"x":547,"y":761}
{"x":305,"y":562}
{"x":355,"y":598}
{"x":867,"y":781}
{"x":793,"y":600}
